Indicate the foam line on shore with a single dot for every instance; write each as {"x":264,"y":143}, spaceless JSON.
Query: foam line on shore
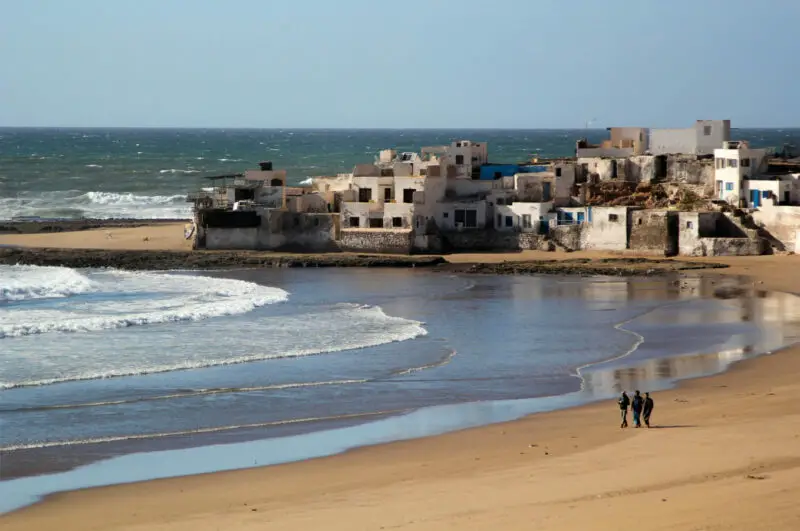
{"x":198,"y":431}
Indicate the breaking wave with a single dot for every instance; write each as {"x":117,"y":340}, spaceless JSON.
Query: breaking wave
{"x":151,"y":298}
{"x":96,"y":205}
{"x":177,"y":170}
{"x":19,"y":283}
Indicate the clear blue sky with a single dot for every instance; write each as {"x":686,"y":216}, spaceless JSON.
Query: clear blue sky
{"x":400,"y":63}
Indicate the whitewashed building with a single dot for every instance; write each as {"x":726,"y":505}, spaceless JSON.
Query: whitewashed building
{"x":700,"y":139}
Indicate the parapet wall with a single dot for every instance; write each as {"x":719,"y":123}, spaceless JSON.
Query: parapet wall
{"x":376,"y":241}
{"x":489,"y":240}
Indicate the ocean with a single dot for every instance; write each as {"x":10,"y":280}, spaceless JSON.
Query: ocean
{"x":109,"y":376}
{"x":146,"y":173}
{"x":100,"y":365}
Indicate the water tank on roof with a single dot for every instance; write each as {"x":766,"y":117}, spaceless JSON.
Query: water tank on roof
{"x":265,"y":166}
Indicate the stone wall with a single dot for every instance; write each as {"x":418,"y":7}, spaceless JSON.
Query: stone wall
{"x":376,"y":241}
{"x":279,"y":231}
{"x":491,"y":240}
{"x":654,"y":232}
{"x":570,"y":237}
{"x":782,"y":223}
{"x":682,"y":169}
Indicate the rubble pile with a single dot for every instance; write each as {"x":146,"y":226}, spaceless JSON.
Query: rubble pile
{"x":645,"y":195}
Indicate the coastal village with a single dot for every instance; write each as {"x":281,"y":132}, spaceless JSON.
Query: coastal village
{"x":691,"y":192}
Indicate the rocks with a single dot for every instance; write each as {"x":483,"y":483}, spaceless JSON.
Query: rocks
{"x":588,"y":267}
{"x":161,"y":260}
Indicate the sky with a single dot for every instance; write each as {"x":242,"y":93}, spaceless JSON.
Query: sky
{"x":526,"y":64}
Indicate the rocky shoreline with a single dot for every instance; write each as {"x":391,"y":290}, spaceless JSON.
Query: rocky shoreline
{"x":163,"y":260}
{"x":196,"y":260}
{"x":590,"y":267}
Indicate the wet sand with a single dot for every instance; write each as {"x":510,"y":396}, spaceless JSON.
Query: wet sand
{"x":724,"y":454}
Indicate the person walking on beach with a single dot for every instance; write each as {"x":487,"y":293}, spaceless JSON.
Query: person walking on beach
{"x":624,"y":402}
{"x":636,"y":408}
{"x":648,"y":409}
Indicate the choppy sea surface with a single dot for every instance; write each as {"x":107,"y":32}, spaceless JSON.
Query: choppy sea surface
{"x":146,"y":173}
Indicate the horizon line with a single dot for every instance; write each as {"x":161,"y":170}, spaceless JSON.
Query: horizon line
{"x":251,"y":128}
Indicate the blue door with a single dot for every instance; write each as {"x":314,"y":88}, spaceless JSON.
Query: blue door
{"x":755,"y":198}
{"x":580,"y":218}
{"x":545,"y":191}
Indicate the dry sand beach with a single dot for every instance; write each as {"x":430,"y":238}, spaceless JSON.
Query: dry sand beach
{"x":724,"y":454}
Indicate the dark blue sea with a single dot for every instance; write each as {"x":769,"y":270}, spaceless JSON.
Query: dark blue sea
{"x":146,"y":173}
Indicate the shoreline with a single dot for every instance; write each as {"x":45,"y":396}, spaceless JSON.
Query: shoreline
{"x":686,"y":478}
{"x":391,"y":422}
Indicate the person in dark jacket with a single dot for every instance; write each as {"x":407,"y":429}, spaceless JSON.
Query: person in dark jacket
{"x":636,"y":407}
{"x":624,"y":402}
{"x":648,"y":409}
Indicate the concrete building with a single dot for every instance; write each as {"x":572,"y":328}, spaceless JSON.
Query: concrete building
{"x":622,"y":142}
{"x":701,"y":139}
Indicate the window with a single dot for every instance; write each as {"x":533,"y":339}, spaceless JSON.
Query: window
{"x":459,"y":159}
{"x":558,"y":172}
{"x":719,"y":164}
{"x":526,"y":221}
{"x":354,"y":222}
{"x":500,"y":201}
{"x":459,"y":216}
{"x":408,"y":195}
{"x":397,"y":222}
{"x":640,"y":221}
{"x":446,"y":215}
{"x":613,"y":217}
{"x":509,"y":221}
{"x":765,"y":194}
{"x":707,"y":130}
{"x":498,"y":175}
{"x":376,"y":223}
{"x":688,"y":224}
{"x":458,"y":144}
{"x":733,"y":163}
{"x":387,"y":194}
{"x":364,"y":195}
{"x":472,"y":219}
{"x":729,"y":187}
{"x":745,"y":163}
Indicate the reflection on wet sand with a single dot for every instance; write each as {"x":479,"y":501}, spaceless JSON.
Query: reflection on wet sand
{"x":776,"y":314}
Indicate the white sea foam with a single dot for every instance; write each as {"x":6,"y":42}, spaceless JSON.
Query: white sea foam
{"x":100,"y":205}
{"x":177,"y":170}
{"x":229,"y":160}
{"x":164,"y":298}
{"x":19,"y":283}
{"x":341,"y":327}
{"x":93,"y":166}
{"x":307,"y":182}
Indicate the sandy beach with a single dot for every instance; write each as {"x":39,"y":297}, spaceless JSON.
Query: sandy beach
{"x":724,"y":454}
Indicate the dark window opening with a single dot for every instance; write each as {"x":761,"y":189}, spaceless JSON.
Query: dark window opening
{"x":707,"y":130}
{"x":498,"y":175}
{"x":397,"y":222}
{"x":408,"y":195}
{"x":558,"y":172}
{"x":276,"y":182}
{"x":387,"y":194}
{"x":446,"y":215}
{"x":354,"y":221}
{"x":613,"y":217}
{"x":459,"y":159}
{"x":472,"y":218}
{"x":459,"y":216}
{"x":787,"y":197}
{"x":745,"y":163}
{"x":244,"y":194}
{"x":500,"y":201}
{"x":364,"y":195}
{"x":376,"y":223}
{"x":509,"y":221}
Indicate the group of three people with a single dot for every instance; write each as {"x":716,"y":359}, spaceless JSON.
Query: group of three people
{"x":640,"y":407}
